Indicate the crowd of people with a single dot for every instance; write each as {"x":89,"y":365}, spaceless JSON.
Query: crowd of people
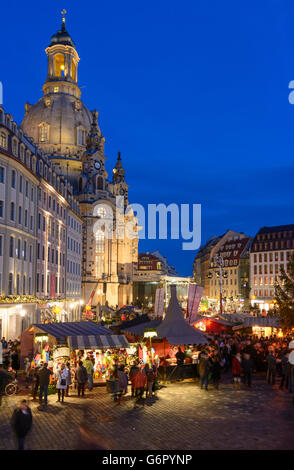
{"x":244,"y":356}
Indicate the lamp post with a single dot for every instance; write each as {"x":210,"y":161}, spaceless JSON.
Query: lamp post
{"x":150,"y":333}
{"x":216,"y":267}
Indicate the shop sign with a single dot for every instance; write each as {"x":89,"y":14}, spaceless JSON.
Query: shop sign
{"x":61,"y":352}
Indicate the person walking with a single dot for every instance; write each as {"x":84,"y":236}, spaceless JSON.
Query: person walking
{"x":133,"y":371}
{"x":68,"y":379}
{"x":44,"y":378}
{"x":21,"y":423}
{"x":271,"y":368}
{"x":284,"y":377}
{"x":237,"y":370}
{"x":15,"y":361}
{"x":150,"y":380}
{"x":122,"y":379}
{"x":215,"y":372}
{"x":27,"y":368}
{"x":204,"y":369}
{"x":88,"y":364}
{"x":81,"y":377}
{"x":35,"y":382}
{"x":61,"y":384}
{"x":140,"y":380}
{"x":247,"y":366}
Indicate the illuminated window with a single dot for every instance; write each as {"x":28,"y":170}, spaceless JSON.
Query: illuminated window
{"x":73,"y":70}
{"x":43,"y":132}
{"x":3,"y":140}
{"x":56,"y":89}
{"x":59,"y":65}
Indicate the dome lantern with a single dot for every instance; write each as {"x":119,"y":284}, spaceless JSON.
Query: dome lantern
{"x":62,"y":63}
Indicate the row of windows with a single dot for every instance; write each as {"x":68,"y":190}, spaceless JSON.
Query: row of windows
{"x":21,"y":220}
{"x":51,"y":203}
{"x":264,"y":281}
{"x":264,"y":293}
{"x":277,"y":245}
{"x":40,"y":284}
{"x":225,"y":282}
{"x":22,"y":287}
{"x":21,"y":183}
{"x":73,"y":268}
{"x":265,"y":269}
{"x":73,"y":245}
{"x":18,"y":151}
{"x":18,"y":250}
{"x":270,"y":236}
{"x":71,"y":222}
{"x":277,"y":256}
{"x":52,"y":255}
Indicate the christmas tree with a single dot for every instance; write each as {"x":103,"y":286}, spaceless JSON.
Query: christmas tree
{"x":284,"y":294}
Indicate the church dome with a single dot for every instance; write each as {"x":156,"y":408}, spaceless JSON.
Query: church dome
{"x":59,"y":124}
{"x":62,"y":37}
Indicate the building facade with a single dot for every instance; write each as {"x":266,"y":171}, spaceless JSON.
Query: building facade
{"x":270,"y":249}
{"x":34,"y":203}
{"x":232,"y":247}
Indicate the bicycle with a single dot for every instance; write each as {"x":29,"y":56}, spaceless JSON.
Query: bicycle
{"x":12,"y":388}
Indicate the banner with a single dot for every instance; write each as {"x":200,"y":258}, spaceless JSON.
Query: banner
{"x":159,"y":302}
{"x":194,"y":297}
{"x":52,"y":286}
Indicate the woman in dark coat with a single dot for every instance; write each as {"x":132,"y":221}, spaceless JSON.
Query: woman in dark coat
{"x":215,"y":372}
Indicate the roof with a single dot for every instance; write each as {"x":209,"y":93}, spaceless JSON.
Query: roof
{"x":62,"y":37}
{"x":262,"y":321}
{"x":214,"y":320}
{"x":245,"y":320}
{"x":174,"y":327}
{"x":276,"y":228}
{"x":138,"y":329}
{"x":98,"y":342}
{"x":63,"y":330}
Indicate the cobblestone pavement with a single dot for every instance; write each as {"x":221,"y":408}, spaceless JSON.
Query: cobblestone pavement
{"x":184,"y":417}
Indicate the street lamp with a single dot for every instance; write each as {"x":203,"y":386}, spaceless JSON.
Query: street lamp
{"x":217,"y":266}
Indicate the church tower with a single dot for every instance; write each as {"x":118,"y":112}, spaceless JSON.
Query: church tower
{"x":60,"y":122}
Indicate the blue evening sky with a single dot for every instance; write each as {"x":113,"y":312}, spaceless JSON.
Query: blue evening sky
{"x":194,"y":94}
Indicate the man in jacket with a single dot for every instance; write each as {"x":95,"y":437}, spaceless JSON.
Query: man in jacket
{"x":90,"y":370}
{"x":247,"y":366}
{"x":21,"y":423}
{"x":81,"y":377}
{"x":204,"y":367}
{"x":271,"y":368}
{"x":44,"y":378}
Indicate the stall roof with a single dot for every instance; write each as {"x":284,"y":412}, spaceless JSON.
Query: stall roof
{"x":262,"y":321}
{"x":63,"y":330}
{"x":174,"y":327}
{"x":138,"y":329}
{"x":98,"y":342}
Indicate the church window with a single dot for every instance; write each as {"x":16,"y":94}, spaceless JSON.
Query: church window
{"x":73,"y":70}
{"x":3,"y":140}
{"x":100,"y":182}
{"x":59,"y":65}
{"x":81,"y":136}
{"x":43,"y":132}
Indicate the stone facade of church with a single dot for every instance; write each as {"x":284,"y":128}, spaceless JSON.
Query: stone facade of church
{"x":69,"y":135}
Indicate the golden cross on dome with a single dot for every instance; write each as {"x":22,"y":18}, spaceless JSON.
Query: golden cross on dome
{"x":63,"y":15}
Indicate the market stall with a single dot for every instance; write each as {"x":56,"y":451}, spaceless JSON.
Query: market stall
{"x":171,"y":333}
{"x":73,"y":341}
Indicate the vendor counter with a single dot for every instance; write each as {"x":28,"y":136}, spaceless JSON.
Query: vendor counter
{"x":175,"y":372}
